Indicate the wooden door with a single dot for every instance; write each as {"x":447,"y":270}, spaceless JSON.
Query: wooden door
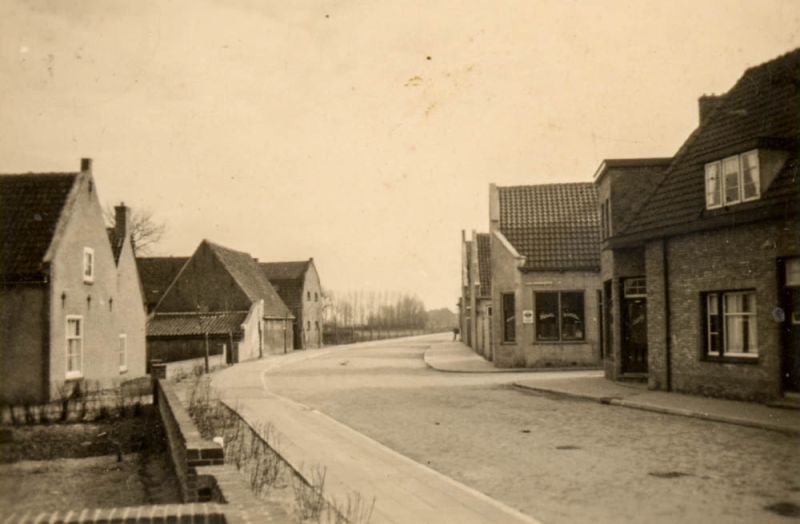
{"x":634,"y":335}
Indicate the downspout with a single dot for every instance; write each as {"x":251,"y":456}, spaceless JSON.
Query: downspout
{"x":667,"y":313}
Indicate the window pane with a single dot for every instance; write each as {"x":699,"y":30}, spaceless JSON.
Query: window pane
{"x":712,"y":324}
{"x":750,"y":176}
{"x":546,"y":316}
{"x":713,"y":189}
{"x":793,"y":272}
{"x":73,"y":328}
{"x":730,"y":171}
{"x":571,"y":316}
{"x":509,"y":327}
{"x":740,"y":324}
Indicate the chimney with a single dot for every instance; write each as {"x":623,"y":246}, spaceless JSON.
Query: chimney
{"x":122,"y":226}
{"x":86,"y":164}
{"x":707,"y":104}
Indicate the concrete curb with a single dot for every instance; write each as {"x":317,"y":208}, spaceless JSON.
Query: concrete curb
{"x":428,"y":363}
{"x":633,"y":404}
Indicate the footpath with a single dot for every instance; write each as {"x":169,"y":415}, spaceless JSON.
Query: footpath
{"x":456,"y":357}
{"x":355,"y":465}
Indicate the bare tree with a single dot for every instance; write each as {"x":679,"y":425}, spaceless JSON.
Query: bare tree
{"x":145,"y":230}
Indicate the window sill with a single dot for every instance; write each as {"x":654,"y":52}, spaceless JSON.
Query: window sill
{"x":509,"y":343}
{"x":730,"y":360}
{"x":123,"y":370}
{"x":75,"y":375}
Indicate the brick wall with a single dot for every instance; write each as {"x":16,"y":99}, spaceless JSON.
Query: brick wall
{"x":727,"y":259}
{"x":187,"y":448}
{"x":183,"y":513}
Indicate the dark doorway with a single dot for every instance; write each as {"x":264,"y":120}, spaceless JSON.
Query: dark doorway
{"x":790,"y":271}
{"x":297,"y":335}
{"x":634,"y":326}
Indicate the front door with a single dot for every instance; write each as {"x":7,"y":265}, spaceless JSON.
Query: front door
{"x":791,"y":323}
{"x":634,"y":326}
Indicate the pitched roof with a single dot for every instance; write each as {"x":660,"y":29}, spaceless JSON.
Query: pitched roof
{"x":188,"y":324}
{"x":288,"y":279}
{"x":30,"y":206}
{"x":484,"y":264}
{"x":293,"y":270}
{"x":251,"y":279}
{"x":156,"y":274}
{"x":760,"y":111}
{"x":554,"y":226}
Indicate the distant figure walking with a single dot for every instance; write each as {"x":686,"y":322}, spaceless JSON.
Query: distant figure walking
{"x":455,"y":333}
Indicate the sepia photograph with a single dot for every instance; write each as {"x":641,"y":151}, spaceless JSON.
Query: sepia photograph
{"x":399,"y":261}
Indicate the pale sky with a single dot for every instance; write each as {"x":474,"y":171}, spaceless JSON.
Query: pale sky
{"x":362,"y":133}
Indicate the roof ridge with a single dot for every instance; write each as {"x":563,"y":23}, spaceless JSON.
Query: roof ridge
{"x":547,"y":184}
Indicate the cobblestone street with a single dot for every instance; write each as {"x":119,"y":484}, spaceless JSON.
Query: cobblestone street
{"x":556,"y":459}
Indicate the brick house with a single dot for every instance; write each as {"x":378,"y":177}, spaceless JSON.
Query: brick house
{"x":477,"y":293}
{"x":701,"y":252}
{"x":299,"y":285}
{"x":220,"y":300}
{"x":70,"y":303}
{"x":545,"y":275}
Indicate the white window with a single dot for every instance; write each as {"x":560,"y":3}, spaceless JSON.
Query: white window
{"x":731,"y":324}
{"x":123,"y":353}
{"x":74,"y":352}
{"x":732,"y":180}
{"x":88,"y":264}
{"x":634,"y":287}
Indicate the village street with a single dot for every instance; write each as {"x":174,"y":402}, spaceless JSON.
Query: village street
{"x":556,"y":459}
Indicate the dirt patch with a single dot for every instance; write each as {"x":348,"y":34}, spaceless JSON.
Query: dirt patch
{"x":63,"y":484}
{"x":75,"y":466}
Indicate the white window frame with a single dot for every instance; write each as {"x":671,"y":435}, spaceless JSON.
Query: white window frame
{"x":122,"y":353}
{"x":717,"y":305}
{"x":68,"y":373}
{"x":721,"y":188}
{"x":88,"y":277}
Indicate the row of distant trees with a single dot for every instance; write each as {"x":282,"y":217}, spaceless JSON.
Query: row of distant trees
{"x":375,"y":310}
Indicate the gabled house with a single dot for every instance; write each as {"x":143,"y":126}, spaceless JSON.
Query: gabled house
{"x":545,"y":275}
{"x":477,"y":293}
{"x":702,"y":269}
{"x":156,"y":274}
{"x":299,"y":286}
{"x":220,"y":302}
{"x":70,"y":300}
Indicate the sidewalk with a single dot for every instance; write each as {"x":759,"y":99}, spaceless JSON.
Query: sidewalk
{"x":403,"y":490}
{"x":457,"y":357}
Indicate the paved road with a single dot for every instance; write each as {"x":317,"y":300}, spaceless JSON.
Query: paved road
{"x":555,"y":459}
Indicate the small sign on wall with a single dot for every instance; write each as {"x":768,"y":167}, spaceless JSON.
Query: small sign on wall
{"x":527,"y":316}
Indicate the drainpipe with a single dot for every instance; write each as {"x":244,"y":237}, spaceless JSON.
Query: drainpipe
{"x":667,"y":314}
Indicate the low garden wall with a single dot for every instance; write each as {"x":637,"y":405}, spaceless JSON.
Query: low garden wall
{"x":187,"y":448}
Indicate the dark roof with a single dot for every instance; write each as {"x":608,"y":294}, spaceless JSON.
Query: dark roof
{"x":288,"y":279}
{"x":294,"y":270}
{"x":484,"y":264}
{"x":251,"y":279}
{"x":760,"y":111}
{"x":117,"y":243}
{"x":188,"y":324}
{"x":30,"y":206}
{"x":156,"y":274}
{"x":554,"y":226}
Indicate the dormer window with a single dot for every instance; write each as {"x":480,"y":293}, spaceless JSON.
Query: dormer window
{"x":88,"y":264}
{"x":733,"y":180}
